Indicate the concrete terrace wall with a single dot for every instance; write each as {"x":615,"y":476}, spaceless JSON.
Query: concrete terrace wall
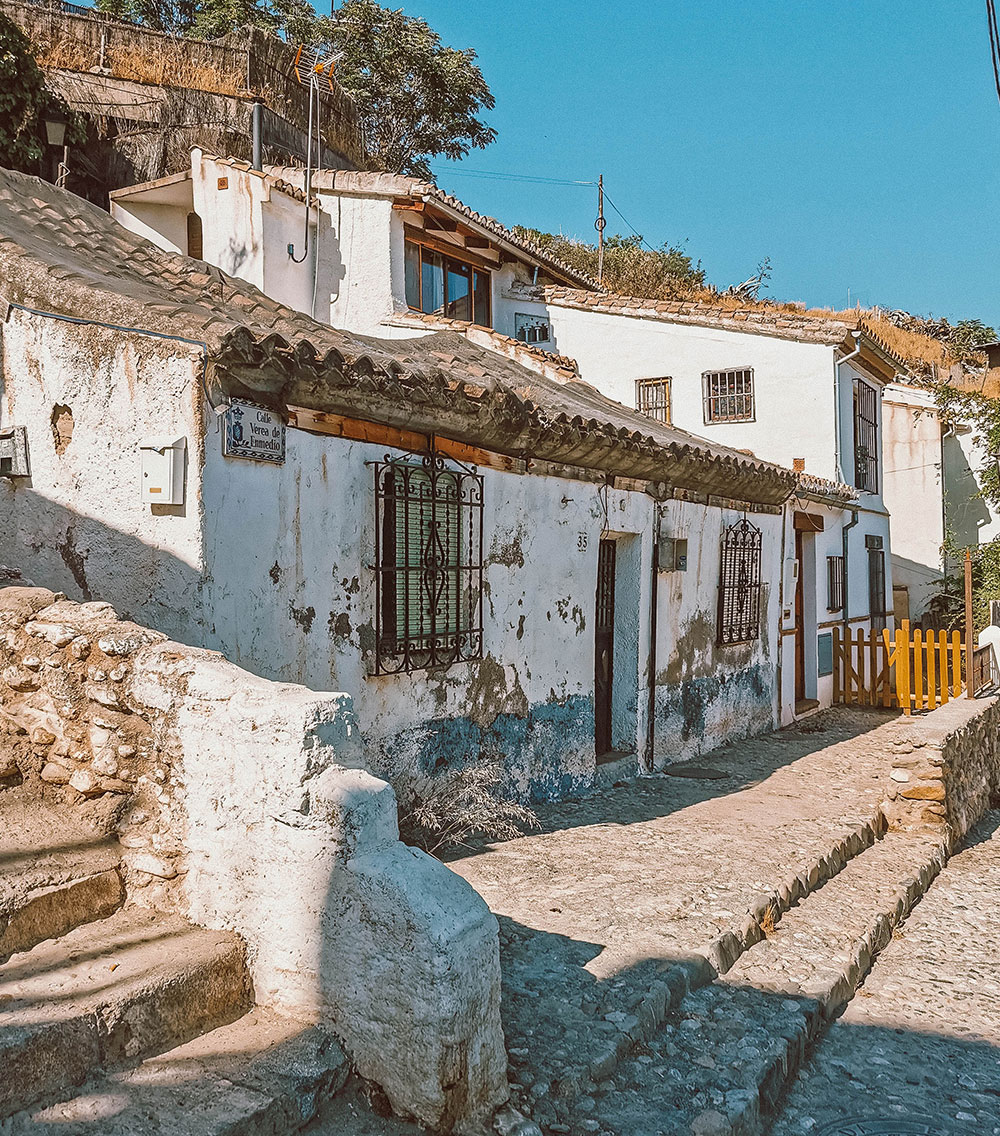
{"x":240,"y":802}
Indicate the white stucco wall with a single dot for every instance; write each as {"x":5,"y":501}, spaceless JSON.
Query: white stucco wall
{"x":793,"y":382}
{"x":968,"y":518}
{"x":164,"y":225}
{"x":78,"y":522}
{"x":293,"y":595}
{"x":232,"y":224}
{"x":708,"y":694}
{"x":912,"y":448}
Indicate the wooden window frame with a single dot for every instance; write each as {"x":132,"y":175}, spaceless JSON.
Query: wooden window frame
{"x":659,"y":409}
{"x":743,"y":406}
{"x":473,"y":267}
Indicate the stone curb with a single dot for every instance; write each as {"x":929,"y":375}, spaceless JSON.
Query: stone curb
{"x":705,"y":965}
{"x":827,"y":1001}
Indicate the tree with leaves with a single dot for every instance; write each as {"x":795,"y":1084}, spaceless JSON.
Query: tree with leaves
{"x":631,"y":268}
{"x":24,"y":104}
{"x":418,"y":99}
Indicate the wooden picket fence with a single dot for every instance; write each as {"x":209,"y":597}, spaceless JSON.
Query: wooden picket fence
{"x":907,"y":670}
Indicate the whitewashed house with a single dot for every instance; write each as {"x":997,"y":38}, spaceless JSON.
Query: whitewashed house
{"x":396,"y":257}
{"x":933,"y":492}
{"x":463,"y":542}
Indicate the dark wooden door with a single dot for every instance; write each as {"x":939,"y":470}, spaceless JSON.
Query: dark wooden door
{"x":604,"y":646}
{"x":800,"y":638}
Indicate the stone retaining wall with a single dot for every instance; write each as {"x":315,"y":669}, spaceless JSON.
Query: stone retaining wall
{"x":241,"y":802}
{"x":946,"y":767}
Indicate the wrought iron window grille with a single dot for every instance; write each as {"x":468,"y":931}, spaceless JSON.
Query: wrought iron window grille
{"x":652,"y":397}
{"x":428,"y":564}
{"x":728,"y":395}
{"x":835,"y":576}
{"x":876,"y":589}
{"x":739,"y":584}
{"x":866,"y":439}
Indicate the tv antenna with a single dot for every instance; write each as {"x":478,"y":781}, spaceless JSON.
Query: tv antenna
{"x":312,"y":70}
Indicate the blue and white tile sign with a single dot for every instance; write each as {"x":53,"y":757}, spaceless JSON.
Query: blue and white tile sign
{"x":253,"y":432}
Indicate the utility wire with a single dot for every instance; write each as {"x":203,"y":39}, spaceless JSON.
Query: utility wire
{"x":991,"y":20}
{"x":497,"y":175}
{"x":628,"y":223}
{"x":508,"y":176}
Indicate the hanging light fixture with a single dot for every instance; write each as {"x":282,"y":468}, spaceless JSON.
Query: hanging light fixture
{"x":55,"y":127}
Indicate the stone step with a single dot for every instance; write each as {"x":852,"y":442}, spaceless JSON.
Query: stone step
{"x":56,"y":873}
{"x":629,"y":1019}
{"x":262,"y":1075}
{"x":108,"y":994}
{"x":722,"y":1060}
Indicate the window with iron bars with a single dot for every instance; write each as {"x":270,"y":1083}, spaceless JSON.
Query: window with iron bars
{"x":652,"y":397}
{"x":835,"y":576}
{"x":739,"y":584}
{"x":728,"y":395}
{"x":876,"y":582}
{"x":866,"y":441}
{"x":428,"y":564}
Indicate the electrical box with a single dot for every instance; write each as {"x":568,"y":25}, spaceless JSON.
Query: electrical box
{"x":672,"y":555}
{"x":14,"y":451}
{"x":824,"y":652}
{"x":163,"y":470}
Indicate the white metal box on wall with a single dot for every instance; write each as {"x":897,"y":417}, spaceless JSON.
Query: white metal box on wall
{"x":162,"y":481}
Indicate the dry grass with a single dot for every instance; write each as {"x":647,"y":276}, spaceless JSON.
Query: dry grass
{"x":171,"y":67}
{"x":466,"y":803}
{"x":769,"y":921}
{"x":909,"y":345}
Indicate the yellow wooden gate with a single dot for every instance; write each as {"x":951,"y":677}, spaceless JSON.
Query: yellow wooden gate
{"x":911,"y":671}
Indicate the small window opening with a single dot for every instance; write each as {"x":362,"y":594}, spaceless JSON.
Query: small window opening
{"x":652,"y":397}
{"x":728,"y":395}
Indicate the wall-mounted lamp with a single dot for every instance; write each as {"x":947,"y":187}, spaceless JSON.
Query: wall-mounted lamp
{"x":55,"y":134}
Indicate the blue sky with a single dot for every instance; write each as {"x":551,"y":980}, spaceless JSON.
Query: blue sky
{"x":855,"y":142}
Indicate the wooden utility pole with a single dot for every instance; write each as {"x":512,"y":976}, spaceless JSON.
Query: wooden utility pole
{"x":599,"y":226}
{"x":969,"y":649}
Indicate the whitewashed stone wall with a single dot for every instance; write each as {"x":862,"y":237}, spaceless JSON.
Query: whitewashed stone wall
{"x":241,"y":802}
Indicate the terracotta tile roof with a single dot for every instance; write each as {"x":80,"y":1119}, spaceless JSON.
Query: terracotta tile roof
{"x":62,"y":255}
{"x":836,"y":492}
{"x":271,"y":180}
{"x":527,"y":354}
{"x":364,"y":182}
{"x":755,"y":321}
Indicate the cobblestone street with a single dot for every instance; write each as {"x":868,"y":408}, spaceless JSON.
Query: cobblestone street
{"x":629,"y":899}
{"x":921,"y":1036}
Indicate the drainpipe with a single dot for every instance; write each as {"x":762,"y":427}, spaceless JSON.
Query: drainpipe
{"x":843,"y":532}
{"x":257,"y":118}
{"x":651,"y":710}
{"x":837,"y":363}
